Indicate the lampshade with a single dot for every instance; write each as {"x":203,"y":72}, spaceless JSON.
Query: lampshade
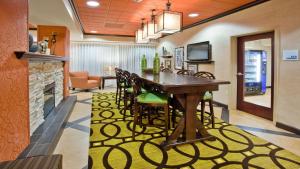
{"x":169,"y":22}
{"x":145,"y":31}
{"x":151,"y":27}
{"x":139,"y":37}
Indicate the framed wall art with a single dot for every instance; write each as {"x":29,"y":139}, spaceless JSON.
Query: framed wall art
{"x":179,"y":58}
{"x":168,"y":63}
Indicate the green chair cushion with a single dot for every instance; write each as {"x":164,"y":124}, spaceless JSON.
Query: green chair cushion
{"x":208,"y":96}
{"x":122,"y":84}
{"x":130,"y":90}
{"x":152,"y":98}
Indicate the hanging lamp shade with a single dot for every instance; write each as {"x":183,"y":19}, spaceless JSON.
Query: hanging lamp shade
{"x":150,"y":27}
{"x":139,"y":34}
{"x":139,"y":37}
{"x":145,"y":31}
{"x":151,"y":34}
{"x":169,"y":21}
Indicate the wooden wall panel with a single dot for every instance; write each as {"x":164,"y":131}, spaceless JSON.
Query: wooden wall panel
{"x":14,"y":110}
{"x":62,"y":47}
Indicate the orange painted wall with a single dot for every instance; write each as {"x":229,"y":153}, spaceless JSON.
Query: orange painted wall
{"x":14,"y":110}
{"x":62,"y":47}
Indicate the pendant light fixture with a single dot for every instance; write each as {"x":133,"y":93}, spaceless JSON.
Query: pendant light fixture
{"x":139,"y":34}
{"x":150,"y":28}
{"x":169,"y":21}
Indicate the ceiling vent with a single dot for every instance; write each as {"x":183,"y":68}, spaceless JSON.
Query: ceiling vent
{"x":114,"y":25}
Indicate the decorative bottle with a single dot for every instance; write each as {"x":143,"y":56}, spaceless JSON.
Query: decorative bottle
{"x":156,"y":64}
{"x":144,"y":63}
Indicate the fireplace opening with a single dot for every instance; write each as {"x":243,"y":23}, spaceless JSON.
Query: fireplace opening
{"x":49,"y":99}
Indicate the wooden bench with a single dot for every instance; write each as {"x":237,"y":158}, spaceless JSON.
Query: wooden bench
{"x":37,"y":162}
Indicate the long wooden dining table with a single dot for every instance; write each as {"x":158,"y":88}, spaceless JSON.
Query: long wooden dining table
{"x":188,"y":91}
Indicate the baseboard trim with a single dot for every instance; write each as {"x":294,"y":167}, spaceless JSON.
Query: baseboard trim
{"x":288,"y":128}
{"x":220,"y":104}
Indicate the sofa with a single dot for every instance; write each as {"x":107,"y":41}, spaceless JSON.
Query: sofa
{"x":82,"y":80}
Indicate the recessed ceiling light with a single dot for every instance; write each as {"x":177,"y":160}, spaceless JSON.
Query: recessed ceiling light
{"x":92,"y":3}
{"x":193,"y":15}
{"x":138,"y":1}
{"x":93,"y":31}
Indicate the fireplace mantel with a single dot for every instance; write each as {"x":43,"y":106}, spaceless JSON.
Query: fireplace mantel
{"x":41,"y":57}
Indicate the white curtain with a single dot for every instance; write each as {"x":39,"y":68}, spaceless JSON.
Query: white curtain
{"x":99,"y":57}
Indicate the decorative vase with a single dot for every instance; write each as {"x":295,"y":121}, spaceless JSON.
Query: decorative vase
{"x":156,"y":64}
{"x":144,"y":63}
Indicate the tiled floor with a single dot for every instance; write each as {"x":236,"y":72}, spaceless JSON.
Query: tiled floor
{"x":74,"y":142}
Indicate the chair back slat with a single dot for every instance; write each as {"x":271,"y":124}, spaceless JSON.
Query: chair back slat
{"x":166,"y":70}
{"x":184,"y":72}
{"x":136,"y":83}
{"x":204,"y":74}
{"x":126,"y":79}
{"x":118,"y":76}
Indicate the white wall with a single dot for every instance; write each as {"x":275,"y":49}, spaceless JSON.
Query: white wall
{"x":55,"y":13}
{"x":276,"y":15}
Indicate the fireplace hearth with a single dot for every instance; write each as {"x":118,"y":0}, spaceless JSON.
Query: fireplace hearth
{"x":49,"y":99}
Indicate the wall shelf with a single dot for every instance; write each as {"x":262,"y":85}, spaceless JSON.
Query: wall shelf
{"x":200,"y":62}
{"x":167,"y":56}
{"x":37,"y":56}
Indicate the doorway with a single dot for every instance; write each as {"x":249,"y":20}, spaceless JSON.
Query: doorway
{"x":255,"y":74}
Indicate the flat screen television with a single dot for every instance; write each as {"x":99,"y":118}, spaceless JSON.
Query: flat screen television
{"x":199,"y":51}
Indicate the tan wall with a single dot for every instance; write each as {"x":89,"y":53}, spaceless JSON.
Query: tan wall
{"x":278,"y":15}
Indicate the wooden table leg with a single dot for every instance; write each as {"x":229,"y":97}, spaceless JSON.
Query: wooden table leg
{"x":192,"y":101}
{"x":103,"y":83}
{"x":188,"y":123}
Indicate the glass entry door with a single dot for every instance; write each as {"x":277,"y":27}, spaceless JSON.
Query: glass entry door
{"x":255,"y":74}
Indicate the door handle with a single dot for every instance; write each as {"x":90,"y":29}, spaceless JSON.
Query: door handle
{"x":240,"y":74}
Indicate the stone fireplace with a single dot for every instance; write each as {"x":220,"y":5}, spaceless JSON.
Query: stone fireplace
{"x":45,"y":90}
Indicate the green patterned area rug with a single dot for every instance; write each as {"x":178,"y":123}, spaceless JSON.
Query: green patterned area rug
{"x":111,"y":145}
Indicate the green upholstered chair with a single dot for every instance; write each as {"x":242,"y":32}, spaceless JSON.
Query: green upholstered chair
{"x":208,"y":97}
{"x":143,"y":100}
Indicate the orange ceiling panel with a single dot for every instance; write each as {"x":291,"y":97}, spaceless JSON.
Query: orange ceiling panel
{"x":123,"y":17}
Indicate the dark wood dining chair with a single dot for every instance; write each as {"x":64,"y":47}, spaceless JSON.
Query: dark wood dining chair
{"x":121,"y":86}
{"x":166,"y":70}
{"x":118,"y":78}
{"x":208,"y":97}
{"x":184,"y":72}
{"x":143,"y":102}
{"x":128,"y":93}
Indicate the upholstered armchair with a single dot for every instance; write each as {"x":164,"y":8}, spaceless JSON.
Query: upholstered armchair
{"x":82,"y":80}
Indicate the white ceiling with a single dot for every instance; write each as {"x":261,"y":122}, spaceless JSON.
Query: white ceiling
{"x":54,"y":12}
